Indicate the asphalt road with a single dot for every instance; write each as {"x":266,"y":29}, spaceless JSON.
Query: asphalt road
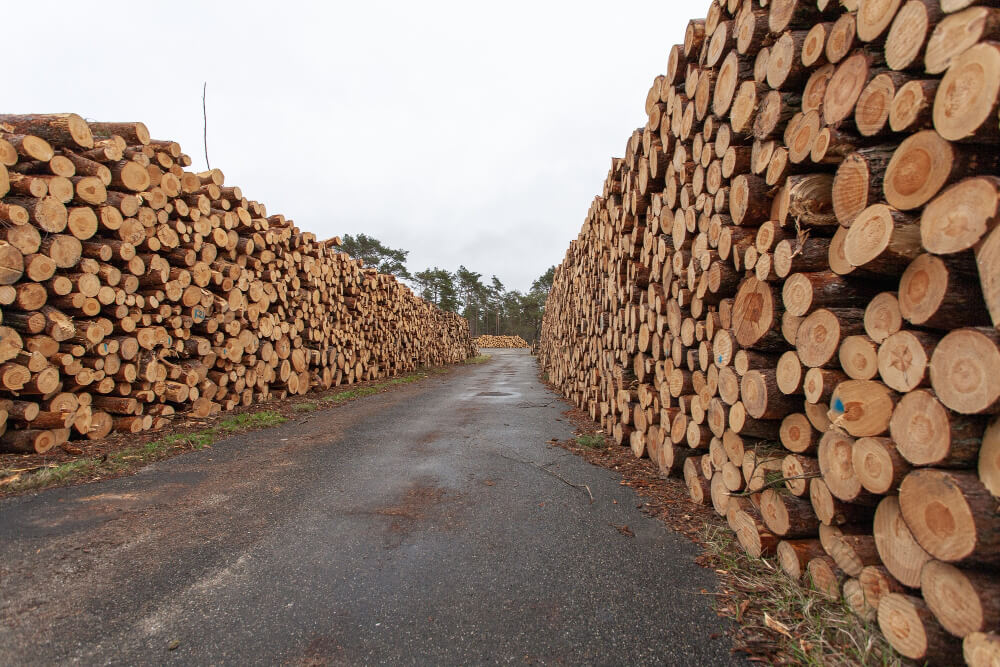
{"x":415,"y":527}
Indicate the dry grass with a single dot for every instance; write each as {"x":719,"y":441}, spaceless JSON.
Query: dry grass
{"x":786,"y":620}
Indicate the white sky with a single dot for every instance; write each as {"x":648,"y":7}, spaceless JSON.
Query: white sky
{"x":464,"y":132}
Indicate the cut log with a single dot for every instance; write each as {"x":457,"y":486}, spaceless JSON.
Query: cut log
{"x":903,"y":359}
{"x":924,"y":163}
{"x":882,"y":240}
{"x":794,"y":555}
{"x":913,"y":107}
{"x":859,"y":181}
{"x":797,"y":471}
{"x":858,"y":356}
{"x":963,"y":601}
{"x":854,"y":597}
{"x":900,"y":552}
{"x":927,"y":434}
{"x":851,"y":547}
{"x":960,"y":216}
{"x":787,"y":516}
{"x":908,"y":35}
{"x":817,"y":340}
{"x":876,"y":582}
{"x":825,"y":577}
{"x":862,"y":407}
{"x":877,"y":465}
{"x":966,"y":103}
{"x":965,"y":371}
{"x":933,"y":294}
{"x":981,"y":649}
{"x":882,"y":317}
{"x":834,"y":512}
{"x":989,"y":458}
{"x":911,"y":629}
{"x":952,"y":515}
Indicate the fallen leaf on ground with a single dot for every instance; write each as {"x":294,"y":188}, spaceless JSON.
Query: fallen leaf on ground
{"x":742,"y":610}
{"x":624,"y":530}
{"x":776,"y":625}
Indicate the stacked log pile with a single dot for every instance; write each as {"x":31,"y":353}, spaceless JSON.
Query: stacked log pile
{"x":789,"y":292}
{"x":132,"y":289}
{"x":502,"y":342}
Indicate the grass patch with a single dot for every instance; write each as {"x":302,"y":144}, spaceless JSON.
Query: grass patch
{"x":115,"y":462}
{"x":820,"y":631}
{"x":592,"y":441}
{"x":478,"y":359}
{"x":196,"y":440}
{"x":112,"y":463}
{"x":351,"y":394}
{"x":48,"y":476}
{"x":262,"y":419}
{"x":407,"y":379}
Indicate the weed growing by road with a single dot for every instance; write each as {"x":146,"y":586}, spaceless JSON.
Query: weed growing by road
{"x":304,"y":407}
{"x":262,"y":419}
{"x":786,"y":618}
{"x":351,"y":393}
{"x":592,"y":441}
{"x":480,"y":359}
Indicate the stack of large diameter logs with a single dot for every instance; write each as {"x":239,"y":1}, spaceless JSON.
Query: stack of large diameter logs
{"x":789,"y":290}
{"x":503,"y":342}
{"x":131,"y":289}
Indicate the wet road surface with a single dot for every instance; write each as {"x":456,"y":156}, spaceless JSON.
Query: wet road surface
{"x":413,"y":527}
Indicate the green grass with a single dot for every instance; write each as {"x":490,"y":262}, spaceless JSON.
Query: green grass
{"x":821,"y":631}
{"x":479,"y":359}
{"x":263,"y":419}
{"x":49,"y":475}
{"x":115,"y":462}
{"x":592,"y":441}
{"x":351,"y":394}
{"x":407,"y":379}
{"x":155,"y":450}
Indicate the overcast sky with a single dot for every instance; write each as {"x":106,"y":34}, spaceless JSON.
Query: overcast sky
{"x":464,"y":132}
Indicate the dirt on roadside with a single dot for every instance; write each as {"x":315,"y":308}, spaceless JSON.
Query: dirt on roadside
{"x":122,"y":454}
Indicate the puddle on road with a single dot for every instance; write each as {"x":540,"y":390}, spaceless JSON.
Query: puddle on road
{"x":493,"y":393}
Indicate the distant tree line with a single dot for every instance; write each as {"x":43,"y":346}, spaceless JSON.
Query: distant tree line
{"x":488,"y":305}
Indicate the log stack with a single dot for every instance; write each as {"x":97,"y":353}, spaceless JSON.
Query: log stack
{"x":132,"y":289}
{"x":789,"y":291}
{"x":501,"y":342}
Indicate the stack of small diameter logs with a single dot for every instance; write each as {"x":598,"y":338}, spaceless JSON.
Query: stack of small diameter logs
{"x":131,"y":289}
{"x":789,"y":290}
{"x":504,"y":342}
